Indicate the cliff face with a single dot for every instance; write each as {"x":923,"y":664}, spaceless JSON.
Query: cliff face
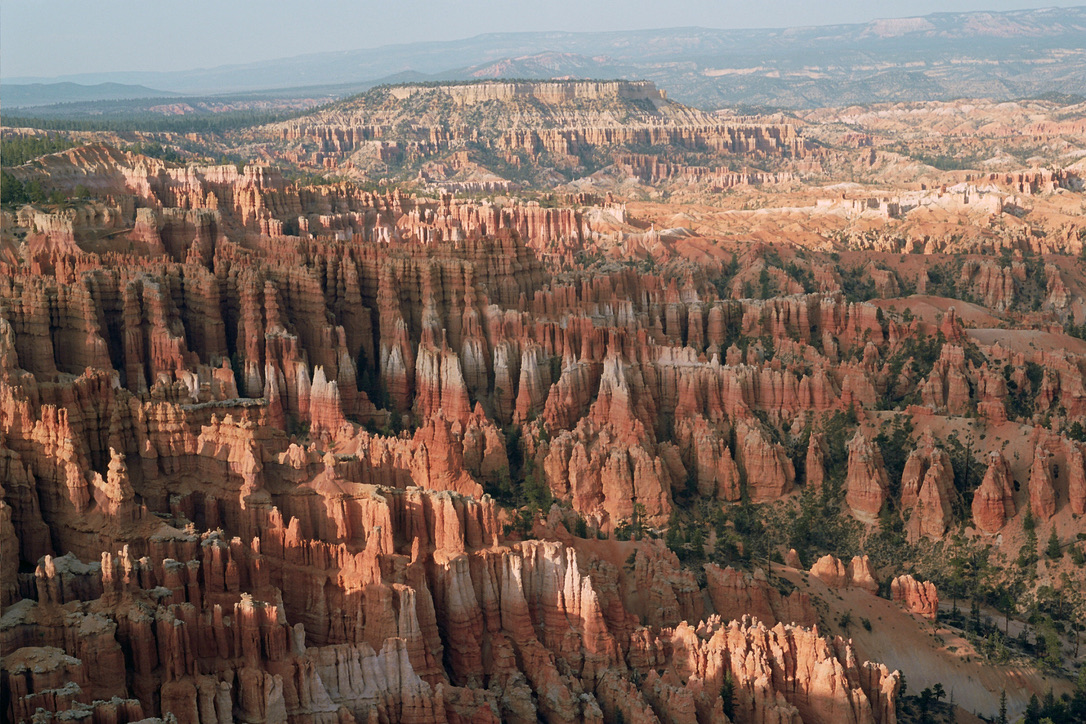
{"x":549,"y":93}
{"x":529,"y":125}
{"x":653,"y":170}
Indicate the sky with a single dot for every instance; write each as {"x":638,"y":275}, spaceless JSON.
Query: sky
{"x":48,"y":38}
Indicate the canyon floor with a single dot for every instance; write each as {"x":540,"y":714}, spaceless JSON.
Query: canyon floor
{"x":547,"y":401}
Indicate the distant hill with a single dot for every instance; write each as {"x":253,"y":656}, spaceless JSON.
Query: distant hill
{"x":545,"y":66}
{"x":527,"y":132}
{"x":15,"y":95}
{"x":1000,"y":55}
{"x":411,"y":111}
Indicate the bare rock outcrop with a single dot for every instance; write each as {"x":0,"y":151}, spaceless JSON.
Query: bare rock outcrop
{"x":915,"y":597}
{"x":993,"y":501}
{"x":866,"y":485}
{"x":1042,"y":488}
{"x":735,"y":594}
{"x":835,"y":574}
{"x":270,"y":451}
{"x":1076,"y":485}
{"x":927,"y":484}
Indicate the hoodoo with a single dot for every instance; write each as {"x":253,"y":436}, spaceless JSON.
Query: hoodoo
{"x":545,"y":401}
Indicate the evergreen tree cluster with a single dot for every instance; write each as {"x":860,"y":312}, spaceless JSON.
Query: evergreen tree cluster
{"x":17,"y":150}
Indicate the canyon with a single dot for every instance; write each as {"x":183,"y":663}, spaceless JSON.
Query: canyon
{"x":548,"y":402}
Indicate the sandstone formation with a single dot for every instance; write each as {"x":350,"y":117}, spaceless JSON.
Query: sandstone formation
{"x":1042,"y":492}
{"x":735,"y":594}
{"x":566,"y":120}
{"x":915,"y":597}
{"x":835,"y":574}
{"x":463,"y":451}
{"x":1076,"y":486}
{"x":927,"y":484}
{"x":867,"y":484}
{"x":247,"y":468}
{"x":993,"y":501}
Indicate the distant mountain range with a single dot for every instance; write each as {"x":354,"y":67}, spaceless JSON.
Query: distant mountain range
{"x":41,"y":94}
{"x":936,"y":57}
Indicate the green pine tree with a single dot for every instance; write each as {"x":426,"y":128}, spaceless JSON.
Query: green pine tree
{"x":1053,"y":549}
{"x":727,"y":695}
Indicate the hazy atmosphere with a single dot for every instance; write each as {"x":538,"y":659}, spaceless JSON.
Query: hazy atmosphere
{"x":538,"y":362}
{"x":50,"y":38}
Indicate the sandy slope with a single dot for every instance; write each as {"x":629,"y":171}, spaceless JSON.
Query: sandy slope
{"x":927,"y":654}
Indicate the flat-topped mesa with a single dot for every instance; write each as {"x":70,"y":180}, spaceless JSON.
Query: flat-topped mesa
{"x":558,"y":123}
{"x":551,"y":92}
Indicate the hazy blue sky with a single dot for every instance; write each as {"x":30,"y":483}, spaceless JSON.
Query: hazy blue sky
{"x":57,"y":37}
